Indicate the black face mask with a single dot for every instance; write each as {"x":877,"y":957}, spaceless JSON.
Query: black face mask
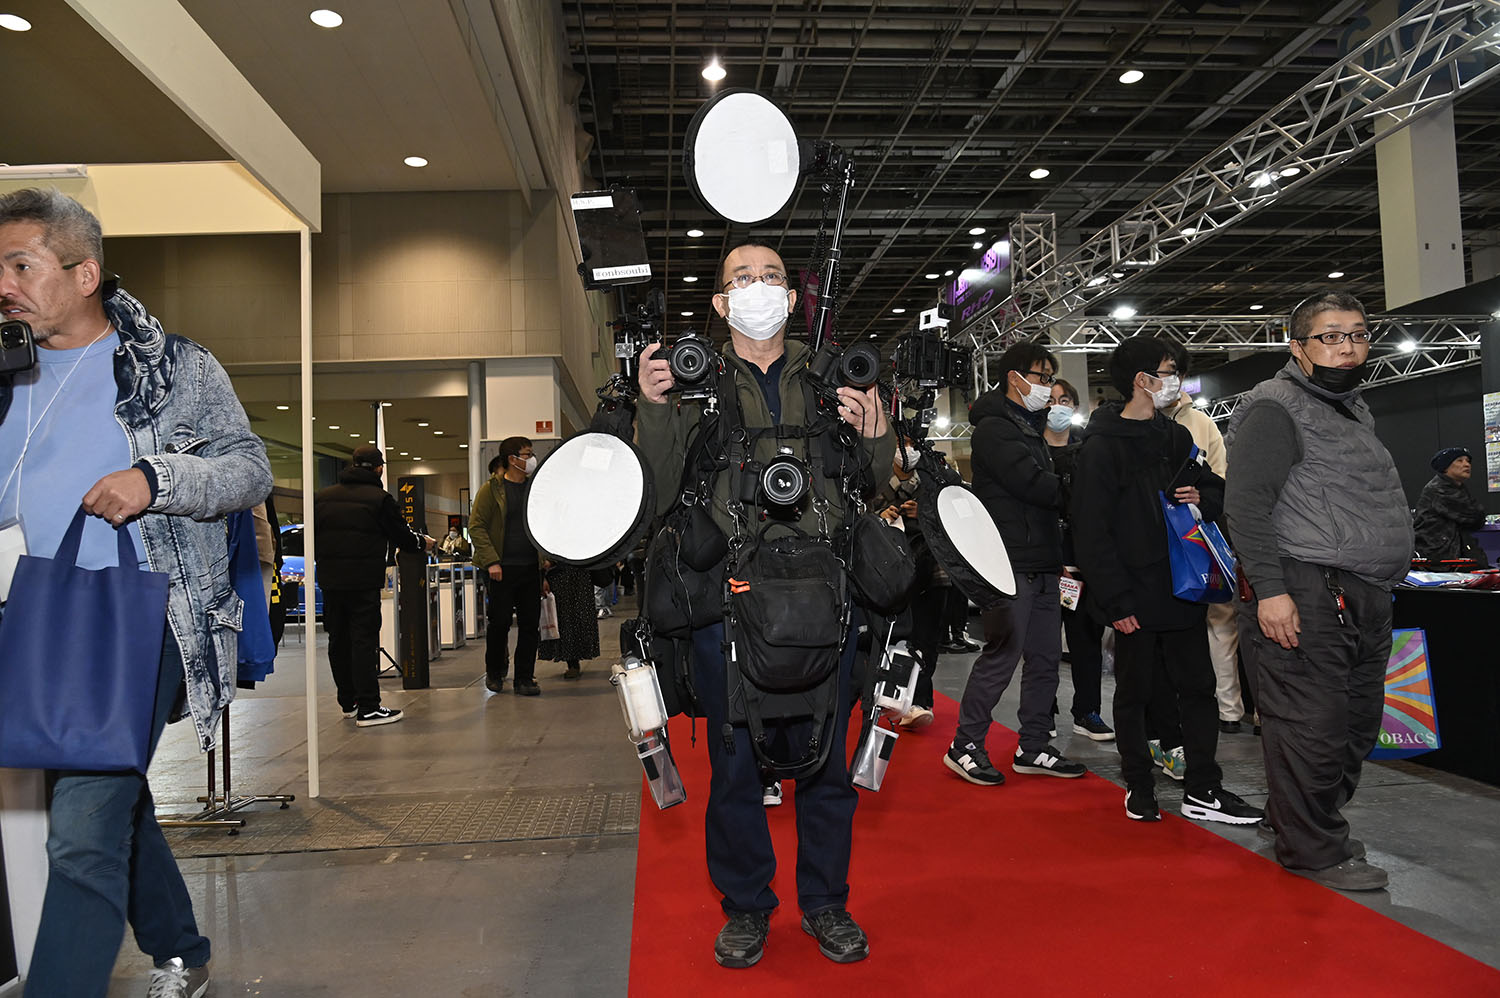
{"x":1337,"y":380}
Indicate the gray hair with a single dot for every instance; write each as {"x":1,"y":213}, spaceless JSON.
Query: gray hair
{"x":71,"y":230}
{"x":1299,"y":324}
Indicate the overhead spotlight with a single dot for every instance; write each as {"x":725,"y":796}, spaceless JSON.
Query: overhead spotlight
{"x":369,"y":441}
{"x":932,"y":277}
{"x":415,"y":161}
{"x":1132,"y":76}
{"x":940,"y":422}
{"x":947,"y":273}
{"x":354,"y":434}
{"x":326,"y":18}
{"x":714,"y":72}
{"x":1202,"y":402}
{"x":1495,"y":314}
{"x":14,"y":22}
{"x":386,"y":405}
{"x":1334,"y":275}
{"x":979,"y":245}
{"x":1122,"y":312}
{"x":1233,"y":164}
{"x":897,"y":311}
{"x":463,"y":446}
{"x":424,"y":424}
{"x":1077,"y":419}
{"x":687,"y":315}
{"x":1291,"y":171}
{"x":1190,"y":230}
{"x":1407,"y":346}
{"x":1256,"y":308}
{"x":1040,"y":173}
{"x":689,"y":279}
{"x":1261,"y":180}
{"x":1098,"y":281}
{"x":437,"y":433}
{"x":416,"y":459}
{"x":283,"y":408}
{"x":977,"y":230}
{"x":334,"y":426}
{"x":1117,"y":274}
{"x":403,"y":453}
{"x":695,"y":233}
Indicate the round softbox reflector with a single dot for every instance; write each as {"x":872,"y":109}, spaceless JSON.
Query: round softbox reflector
{"x":741,"y":157}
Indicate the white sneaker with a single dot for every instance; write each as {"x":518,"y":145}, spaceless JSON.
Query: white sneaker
{"x":173,"y":979}
{"x":770,"y":794}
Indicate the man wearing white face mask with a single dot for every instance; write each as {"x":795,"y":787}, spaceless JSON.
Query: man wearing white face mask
{"x":1014,"y":478}
{"x":504,"y":551}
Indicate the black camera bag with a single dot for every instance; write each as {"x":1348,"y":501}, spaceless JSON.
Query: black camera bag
{"x":677,"y":597}
{"x":882,"y":568}
{"x":787,"y":597}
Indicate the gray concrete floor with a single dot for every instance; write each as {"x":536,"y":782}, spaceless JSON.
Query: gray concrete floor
{"x":546,"y":915}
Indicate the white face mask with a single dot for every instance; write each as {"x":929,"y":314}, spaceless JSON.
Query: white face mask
{"x":530,"y":464}
{"x":1037,"y":397}
{"x":1171,"y":387}
{"x":909,"y":456}
{"x":1059,"y":418}
{"x":758,"y":311}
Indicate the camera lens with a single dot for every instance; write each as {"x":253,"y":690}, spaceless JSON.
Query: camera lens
{"x":784,"y":481}
{"x":689,"y":361}
{"x":860,"y":365}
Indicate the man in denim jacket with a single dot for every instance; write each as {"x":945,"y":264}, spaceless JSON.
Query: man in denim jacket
{"x":165,"y":455}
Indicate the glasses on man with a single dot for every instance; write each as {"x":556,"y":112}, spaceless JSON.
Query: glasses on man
{"x":774,"y":278}
{"x":1335,"y":339}
{"x":1042,"y":377}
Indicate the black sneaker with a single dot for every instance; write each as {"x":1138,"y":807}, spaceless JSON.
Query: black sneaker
{"x":1048,"y":762}
{"x":1140,"y":805}
{"x":1350,"y":875}
{"x":1220,"y":805}
{"x":742,"y":940}
{"x":494,"y":685}
{"x":1229,"y":727}
{"x":1092,"y":726}
{"x":973,"y":764}
{"x":526,"y":688}
{"x":380,"y":715}
{"x":839,"y":937}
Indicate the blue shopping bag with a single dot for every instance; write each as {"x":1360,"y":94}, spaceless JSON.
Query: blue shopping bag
{"x":80,"y":652}
{"x":1203,"y":568}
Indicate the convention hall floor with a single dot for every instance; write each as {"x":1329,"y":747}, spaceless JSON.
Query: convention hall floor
{"x":486,"y":845}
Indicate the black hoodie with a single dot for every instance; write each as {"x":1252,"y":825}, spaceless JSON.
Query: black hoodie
{"x":1014,"y":479}
{"x":1118,"y":528}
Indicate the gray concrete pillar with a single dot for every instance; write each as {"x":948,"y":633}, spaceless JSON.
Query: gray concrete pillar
{"x":1421,"y":231}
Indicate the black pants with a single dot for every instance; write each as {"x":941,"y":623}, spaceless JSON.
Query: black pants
{"x":741,"y":859}
{"x":1320,"y":708}
{"x":1028,"y":626}
{"x":1086,"y":657}
{"x":1183,"y":661}
{"x":955,"y":615}
{"x":519,"y":591}
{"x":927,"y":608}
{"x":351,"y":618}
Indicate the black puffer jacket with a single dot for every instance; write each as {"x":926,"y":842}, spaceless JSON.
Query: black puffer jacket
{"x":1446,"y":512}
{"x":1119,"y":532}
{"x":1014,"y":479}
{"x":357,"y":522}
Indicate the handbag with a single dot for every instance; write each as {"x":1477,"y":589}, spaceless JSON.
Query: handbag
{"x":80,"y":656}
{"x":1203,"y":568}
{"x":547,"y":624}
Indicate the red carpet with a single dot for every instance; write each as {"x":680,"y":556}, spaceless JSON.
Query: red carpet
{"x":1041,"y":886}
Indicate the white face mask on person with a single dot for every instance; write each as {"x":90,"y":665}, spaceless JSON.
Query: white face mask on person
{"x":1037,"y":397}
{"x":1171,"y":387}
{"x":1059,"y":418}
{"x":758,"y":311}
{"x":909,"y":457}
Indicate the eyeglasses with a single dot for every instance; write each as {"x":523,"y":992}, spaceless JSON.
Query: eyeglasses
{"x":1163,"y":374}
{"x":1335,"y":339}
{"x":1042,"y":377}
{"x":774,"y":278}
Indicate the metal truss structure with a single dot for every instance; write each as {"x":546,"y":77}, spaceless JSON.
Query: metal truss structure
{"x":1423,"y":60}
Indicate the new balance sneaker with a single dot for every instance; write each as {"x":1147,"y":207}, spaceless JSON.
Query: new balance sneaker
{"x":973,"y":764}
{"x":1350,"y":875}
{"x":1174,"y":763}
{"x":1140,"y":805}
{"x":173,"y":979}
{"x":1092,"y":726}
{"x":1220,"y":805}
{"x":915,"y":719}
{"x":1048,"y":762}
{"x":742,"y":940}
{"x":770,"y":794}
{"x":839,"y":937}
{"x":380,"y":715}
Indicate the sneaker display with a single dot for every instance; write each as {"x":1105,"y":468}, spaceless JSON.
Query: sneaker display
{"x":173,"y":979}
{"x":526,"y":688}
{"x":770,"y":794}
{"x":1092,"y":726}
{"x":1350,"y":875}
{"x":1220,"y":805}
{"x":915,"y":719}
{"x":380,"y":715}
{"x":742,"y":940}
{"x":973,"y":764}
{"x":1174,"y":763}
{"x":1048,"y":762}
{"x":1140,"y":805}
{"x":839,"y":937}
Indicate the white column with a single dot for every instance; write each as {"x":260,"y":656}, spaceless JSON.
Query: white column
{"x":1421,"y":230}
{"x":477,"y":473}
{"x":309,"y":539}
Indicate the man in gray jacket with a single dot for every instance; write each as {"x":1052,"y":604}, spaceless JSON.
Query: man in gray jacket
{"x":1319,"y":521}
{"x":144,"y":431}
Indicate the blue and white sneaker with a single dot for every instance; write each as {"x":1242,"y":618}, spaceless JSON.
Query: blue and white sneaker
{"x":1174,"y":763}
{"x":1092,"y":726}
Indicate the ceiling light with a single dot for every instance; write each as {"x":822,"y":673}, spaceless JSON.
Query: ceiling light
{"x":1190,"y":230}
{"x":979,"y":245}
{"x":690,"y":279}
{"x":1261,"y":180}
{"x":403,"y":453}
{"x":977,"y":230}
{"x":1256,"y":308}
{"x":283,"y":408}
{"x":694,"y":233}
{"x":1407,"y":346}
{"x":1233,"y":164}
{"x":463,"y":446}
{"x":414,"y":161}
{"x":1117,"y":274}
{"x":932,"y":277}
{"x":1291,"y":171}
{"x":437,"y":433}
{"x":713,"y":72}
{"x":386,"y":405}
{"x":424,"y":424}
{"x":1202,"y":402}
{"x":947,"y":273}
{"x":1122,"y":312}
{"x":369,"y":441}
{"x":940,"y":422}
{"x":687,"y":315}
{"x":1334,"y":275}
{"x":14,"y":22}
{"x":1040,"y":173}
{"x":326,"y":18}
{"x":898,"y":311}
{"x":1097,"y":281}
{"x":334,"y":426}
{"x":1132,"y":76}
{"x":354,"y":434}
{"x":1077,"y":419}
{"x":416,"y":459}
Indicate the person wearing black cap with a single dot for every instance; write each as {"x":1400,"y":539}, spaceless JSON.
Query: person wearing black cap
{"x":1446,"y":512}
{"x":356,"y":523}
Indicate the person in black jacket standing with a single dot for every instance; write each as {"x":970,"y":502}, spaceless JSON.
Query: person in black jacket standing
{"x":356,"y":522}
{"x":1131,"y":455}
{"x":1013,"y":477}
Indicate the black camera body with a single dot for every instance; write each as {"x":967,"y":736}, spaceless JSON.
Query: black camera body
{"x":779,"y":485}
{"x":856,"y":366}
{"x":927,"y":359}
{"x":695,"y":365}
{"x":17,"y":347}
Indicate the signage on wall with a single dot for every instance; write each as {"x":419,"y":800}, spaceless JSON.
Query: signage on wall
{"x":543,"y":426}
{"x":1492,"y":440}
{"x":411,"y":496}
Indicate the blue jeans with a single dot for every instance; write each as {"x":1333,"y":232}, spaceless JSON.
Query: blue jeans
{"x":108,"y":862}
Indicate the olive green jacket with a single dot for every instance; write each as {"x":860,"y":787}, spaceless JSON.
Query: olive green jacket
{"x":487,"y":524}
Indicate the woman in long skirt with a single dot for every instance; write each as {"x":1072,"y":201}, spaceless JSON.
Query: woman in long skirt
{"x":577,"y":627}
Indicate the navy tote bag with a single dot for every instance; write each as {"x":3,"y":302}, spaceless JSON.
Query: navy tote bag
{"x":80,"y":651}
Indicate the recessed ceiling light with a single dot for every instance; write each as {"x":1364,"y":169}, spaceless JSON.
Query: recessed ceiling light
{"x":979,"y":245}
{"x":689,"y":279}
{"x":14,"y":22}
{"x":947,"y":273}
{"x":1098,"y":281}
{"x":354,"y":434}
{"x":1334,"y":275}
{"x":463,"y":446}
{"x":1132,"y":76}
{"x":386,"y":405}
{"x":898,"y":311}
{"x":687,"y":315}
{"x":1040,"y":173}
{"x":437,"y":433}
{"x":403,"y":453}
{"x":334,"y":426}
{"x":1122,"y":312}
{"x":932,"y":277}
{"x":416,"y":459}
{"x":424,"y":424}
{"x":369,"y":441}
{"x":414,"y":161}
{"x":1256,"y":308}
{"x":1291,"y":171}
{"x":326,"y":18}
{"x":283,"y":408}
{"x":1117,"y":274}
{"x":977,"y":230}
{"x":1190,"y":230}
{"x":694,"y":233}
{"x":713,"y":72}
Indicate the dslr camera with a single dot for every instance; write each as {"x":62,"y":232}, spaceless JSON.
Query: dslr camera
{"x":856,"y":366}
{"x":781,"y":483}
{"x":17,"y":347}
{"x":694,"y":364}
